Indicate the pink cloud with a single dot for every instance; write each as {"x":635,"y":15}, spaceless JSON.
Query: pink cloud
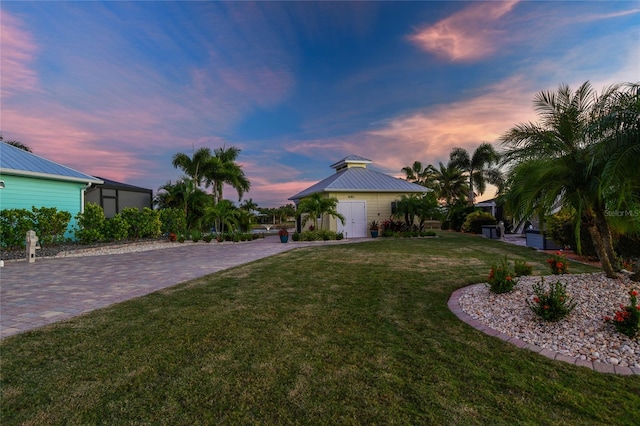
{"x":18,"y":53}
{"x":467,"y":35}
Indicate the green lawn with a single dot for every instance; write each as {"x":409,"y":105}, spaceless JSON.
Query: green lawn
{"x":348,"y":334}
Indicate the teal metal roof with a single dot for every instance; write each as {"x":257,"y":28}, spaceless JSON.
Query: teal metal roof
{"x":359,"y":179}
{"x":15,"y":161}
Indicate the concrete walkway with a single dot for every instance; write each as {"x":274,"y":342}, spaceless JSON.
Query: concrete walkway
{"x":54,"y":289}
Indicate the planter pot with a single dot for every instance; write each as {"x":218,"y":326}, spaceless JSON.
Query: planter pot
{"x":284,"y":238}
{"x":374,"y":233}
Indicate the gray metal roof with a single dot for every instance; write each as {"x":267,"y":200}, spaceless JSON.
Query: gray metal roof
{"x":15,"y":161}
{"x":360,"y":179}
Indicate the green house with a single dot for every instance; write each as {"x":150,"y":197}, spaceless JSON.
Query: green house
{"x":28,"y":180}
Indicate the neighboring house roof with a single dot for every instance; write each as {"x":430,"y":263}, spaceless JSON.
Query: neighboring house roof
{"x":112,"y":184}
{"x":359,"y":179}
{"x":15,"y":161}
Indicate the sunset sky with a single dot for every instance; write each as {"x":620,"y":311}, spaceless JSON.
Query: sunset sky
{"x":115,"y":89}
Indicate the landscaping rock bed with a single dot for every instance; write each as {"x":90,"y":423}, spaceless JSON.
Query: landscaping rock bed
{"x":584,"y":334}
{"x":75,"y":249}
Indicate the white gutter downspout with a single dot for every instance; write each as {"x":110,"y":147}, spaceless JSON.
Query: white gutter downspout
{"x":82,"y":192}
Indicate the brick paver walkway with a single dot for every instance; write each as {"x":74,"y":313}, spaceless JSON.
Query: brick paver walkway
{"x":54,"y":289}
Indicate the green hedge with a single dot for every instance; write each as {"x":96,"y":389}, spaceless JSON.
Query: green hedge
{"x":49,"y":223}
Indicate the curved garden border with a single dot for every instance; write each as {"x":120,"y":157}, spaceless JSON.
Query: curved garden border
{"x":600,"y":367}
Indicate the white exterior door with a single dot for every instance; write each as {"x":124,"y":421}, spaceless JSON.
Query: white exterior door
{"x":355,"y":215}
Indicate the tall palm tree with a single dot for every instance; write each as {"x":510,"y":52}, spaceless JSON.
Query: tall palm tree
{"x":450,"y":184}
{"x":479,"y":168}
{"x":194,"y":166}
{"x":416,"y":173}
{"x":224,"y":169}
{"x":316,"y":205}
{"x":552,"y":162}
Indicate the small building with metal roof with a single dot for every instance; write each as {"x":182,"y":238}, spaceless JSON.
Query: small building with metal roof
{"x":28,"y":180}
{"x":363,"y":195}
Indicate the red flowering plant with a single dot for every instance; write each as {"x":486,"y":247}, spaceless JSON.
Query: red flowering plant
{"x":552,"y":304}
{"x":283,"y":231}
{"x":558,"y":264}
{"x":501,"y":278}
{"x":627,"y":319}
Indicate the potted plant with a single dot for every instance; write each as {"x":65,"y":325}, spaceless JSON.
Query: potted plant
{"x":283,"y":234}
{"x":373,"y":227}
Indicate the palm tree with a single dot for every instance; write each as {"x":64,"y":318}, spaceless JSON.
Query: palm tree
{"x":316,"y":205}
{"x":617,"y":130}
{"x":223,"y":214}
{"x":194,"y":166}
{"x":450,"y":184}
{"x":224,"y":169}
{"x":185,"y":196}
{"x":17,"y":144}
{"x":553,"y":162}
{"x":423,"y":207}
{"x":418,"y":174}
{"x":478,"y":168}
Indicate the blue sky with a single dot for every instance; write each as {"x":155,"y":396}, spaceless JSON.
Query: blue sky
{"x":115,"y":89}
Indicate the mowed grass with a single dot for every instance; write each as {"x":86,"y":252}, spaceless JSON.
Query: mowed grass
{"x":349,"y":334}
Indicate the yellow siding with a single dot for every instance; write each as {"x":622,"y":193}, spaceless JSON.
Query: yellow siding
{"x":378,"y":205}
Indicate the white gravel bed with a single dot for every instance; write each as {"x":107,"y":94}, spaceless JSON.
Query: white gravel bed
{"x":125,"y":248}
{"x":583,"y":334}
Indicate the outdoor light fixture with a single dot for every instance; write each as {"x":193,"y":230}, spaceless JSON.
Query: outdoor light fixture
{"x":1,"y":184}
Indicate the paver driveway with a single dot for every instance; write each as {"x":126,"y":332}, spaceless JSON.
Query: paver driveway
{"x":53,"y":289}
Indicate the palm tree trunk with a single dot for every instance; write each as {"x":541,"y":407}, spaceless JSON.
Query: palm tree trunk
{"x":600,"y":249}
{"x":607,"y":240}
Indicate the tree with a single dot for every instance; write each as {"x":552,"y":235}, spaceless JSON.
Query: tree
{"x":418,"y":174}
{"x":553,"y":162}
{"x":423,"y":207}
{"x":194,"y":166}
{"x":224,"y":169}
{"x":223,"y":214}
{"x":185,"y":196}
{"x":17,"y":144}
{"x":617,"y":132}
{"x":450,"y":184}
{"x":316,"y":205}
{"x":478,"y":168}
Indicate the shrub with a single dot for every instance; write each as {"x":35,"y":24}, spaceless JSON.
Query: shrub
{"x":627,"y":319}
{"x":207,"y":238}
{"x":196,"y":235}
{"x":389,"y":227}
{"x":172,"y":220}
{"x":474,"y":221}
{"x":90,"y":224}
{"x":561,"y":229}
{"x":181,"y":238}
{"x":321,"y":235}
{"x":143,"y":223}
{"x":295,"y":236}
{"x":522,"y":268}
{"x":552,"y":304}
{"x":458,"y":215}
{"x":501,"y":278}
{"x":50,"y":224}
{"x":115,"y":229}
{"x":558,"y":264}
{"x":339,"y":236}
{"x":14,"y":224}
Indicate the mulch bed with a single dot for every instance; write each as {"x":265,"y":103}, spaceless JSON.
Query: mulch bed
{"x":571,"y":255}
